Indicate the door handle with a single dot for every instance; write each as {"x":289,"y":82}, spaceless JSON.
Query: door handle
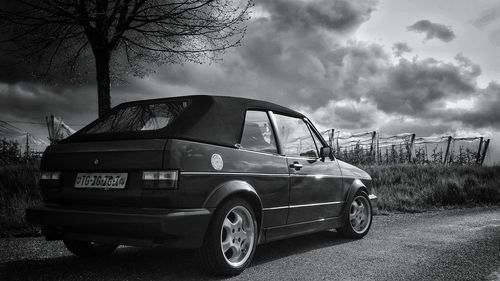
{"x":296,"y":165}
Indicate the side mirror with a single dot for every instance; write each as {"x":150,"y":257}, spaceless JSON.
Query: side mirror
{"x":325,"y":152}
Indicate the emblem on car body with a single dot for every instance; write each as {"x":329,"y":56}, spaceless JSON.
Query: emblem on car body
{"x":96,"y":161}
{"x":217,"y":162}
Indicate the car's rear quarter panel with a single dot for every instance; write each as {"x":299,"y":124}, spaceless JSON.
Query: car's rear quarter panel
{"x":267,"y":173}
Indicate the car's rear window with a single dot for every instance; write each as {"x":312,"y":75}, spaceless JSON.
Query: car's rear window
{"x":139,"y":117}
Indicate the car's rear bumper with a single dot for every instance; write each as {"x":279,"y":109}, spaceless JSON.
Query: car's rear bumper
{"x":182,"y":228}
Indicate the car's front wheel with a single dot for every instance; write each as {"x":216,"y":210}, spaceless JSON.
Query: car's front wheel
{"x":358,"y":218}
{"x":231,"y":238}
{"x":86,"y":249}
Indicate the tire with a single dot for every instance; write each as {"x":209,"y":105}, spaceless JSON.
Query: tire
{"x":231,"y":239}
{"x":358,"y":218}
{"x":86,"y":249}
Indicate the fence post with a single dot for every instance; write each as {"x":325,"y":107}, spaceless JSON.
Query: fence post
{"x":331,"y":137}
{"x":400,"y":153}
{"x":337,"y":143}
{"x":372,"y":144}
{"x":426,"y":159}
{"x":478,"y":156}
{"x":412,"y":148}
{"x":27,"y":144}
{"x":447,"y":150}
{"x":47,"y":121}
{"x":27,"y":153}
{"x":486,"y":144}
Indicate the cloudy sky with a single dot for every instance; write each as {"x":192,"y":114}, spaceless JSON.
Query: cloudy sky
{"x":429,"y":66}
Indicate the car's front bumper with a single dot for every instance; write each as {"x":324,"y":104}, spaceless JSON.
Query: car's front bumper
{"x":181,"y":228}
{"x":373,"y":200}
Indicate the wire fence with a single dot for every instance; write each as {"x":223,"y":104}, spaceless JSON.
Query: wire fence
{"x":373,"y":148}
{"x":366,"y":148}
{"x":11,"y":152}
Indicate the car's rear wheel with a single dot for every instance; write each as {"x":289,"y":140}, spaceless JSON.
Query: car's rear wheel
{"x":231,"y":238}
{"x":358,"y":218}
{"x":86,"y":249}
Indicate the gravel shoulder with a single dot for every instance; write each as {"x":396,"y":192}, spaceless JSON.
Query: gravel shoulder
{"x":461,"y":244}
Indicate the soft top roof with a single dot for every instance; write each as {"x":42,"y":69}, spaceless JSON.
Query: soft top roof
{"x":209,"y":119}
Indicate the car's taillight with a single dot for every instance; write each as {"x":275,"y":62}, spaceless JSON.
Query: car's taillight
{"x":50,"y":179}
{"x":160,"y":179}
{"x":50,"y":175}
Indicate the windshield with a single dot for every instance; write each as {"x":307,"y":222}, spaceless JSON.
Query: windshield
{"x":139,"y":117}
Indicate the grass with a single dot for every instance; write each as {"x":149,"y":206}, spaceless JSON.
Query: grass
{"x":18,"y":190}
{"x":400,"y":188}
{"x":414,"y":188}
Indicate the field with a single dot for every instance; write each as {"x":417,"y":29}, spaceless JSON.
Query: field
{"x":400,"y":188}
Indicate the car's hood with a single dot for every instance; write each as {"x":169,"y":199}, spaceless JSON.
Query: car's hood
{"x":351,"y":171}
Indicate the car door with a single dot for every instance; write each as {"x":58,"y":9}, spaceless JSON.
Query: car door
{"x":315,"y":183}
{"x":263,"y":167}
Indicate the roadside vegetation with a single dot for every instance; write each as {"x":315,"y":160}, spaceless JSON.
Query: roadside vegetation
{"x":18,"y":190}
{"x":400,"y":188}
{"x":415,"y":188}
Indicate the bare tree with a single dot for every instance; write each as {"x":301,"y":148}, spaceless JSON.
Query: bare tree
{"x":123,"y":36}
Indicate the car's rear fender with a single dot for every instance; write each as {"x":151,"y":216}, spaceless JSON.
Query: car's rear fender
{"x":235,"y":188}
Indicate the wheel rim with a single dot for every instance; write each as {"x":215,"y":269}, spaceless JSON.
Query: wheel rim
{"x":237,"y":236}
{"x":360,"y":214}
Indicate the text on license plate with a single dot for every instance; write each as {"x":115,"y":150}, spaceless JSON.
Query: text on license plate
{"x":101,"y":180}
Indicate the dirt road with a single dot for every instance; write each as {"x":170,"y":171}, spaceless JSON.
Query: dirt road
{"x":443,"y":245}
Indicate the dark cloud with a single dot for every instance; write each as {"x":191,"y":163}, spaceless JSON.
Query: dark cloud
{"x":356,"y":67}
{"x":291,"y":56}
{"x":433,"y":30}
{"x":413,"y":87}
{"x":314,"y":71}
{"x":280,"y":61}
{"x":346,"y":114}
{"x":32,"y":102}
{"x":468,"y":66}
{"x":486,"y":19}
{"x":337,"y":15}
{"x":400,"y":48}
{"x":487,"y":16}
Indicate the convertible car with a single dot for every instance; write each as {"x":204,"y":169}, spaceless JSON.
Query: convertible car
{"x":221,"y":174}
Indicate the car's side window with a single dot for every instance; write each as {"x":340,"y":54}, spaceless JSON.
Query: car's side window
{"x":295,"y":137}
{"x":257,"y":133}
{"x":319,"y":144}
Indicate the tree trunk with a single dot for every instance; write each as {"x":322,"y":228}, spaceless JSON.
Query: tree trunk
{"x":102,"y":58}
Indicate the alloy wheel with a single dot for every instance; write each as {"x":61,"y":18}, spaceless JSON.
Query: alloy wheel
{"x":360,"y":214}
{"x":237,"y":236}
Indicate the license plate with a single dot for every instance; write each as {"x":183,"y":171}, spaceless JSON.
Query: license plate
{"x":101,"y":180}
